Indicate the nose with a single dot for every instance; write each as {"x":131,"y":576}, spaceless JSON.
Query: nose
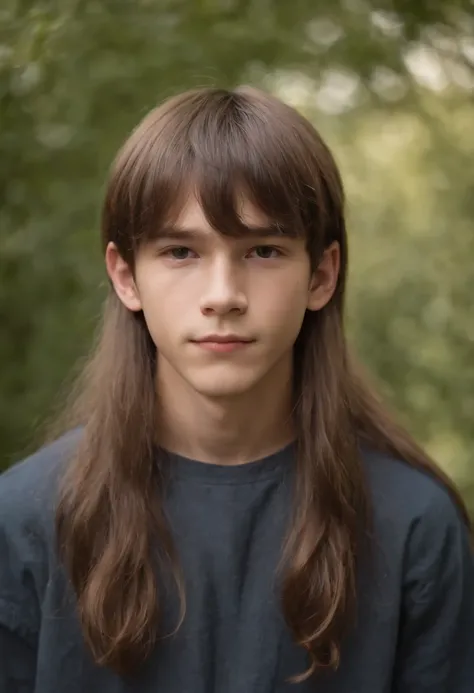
{"x":222,"y":293}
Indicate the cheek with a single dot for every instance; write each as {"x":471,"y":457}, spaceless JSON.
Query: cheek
{"x":161,"y":290}
{"x":158,"y":304}
{"x":286,"y":307}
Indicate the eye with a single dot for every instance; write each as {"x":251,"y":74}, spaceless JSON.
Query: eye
{"x":265,"y":252}
{"x":180,"y":253}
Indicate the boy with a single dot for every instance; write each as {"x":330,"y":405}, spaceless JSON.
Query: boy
{"x":231,"y":510}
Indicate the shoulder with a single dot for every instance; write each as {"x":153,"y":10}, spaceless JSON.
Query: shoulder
{"x":27,"y":547}
{"x":397,"y":486}
{"x":415,"y":515}
{"x":427,"y":572}
{"x":28,"y":488}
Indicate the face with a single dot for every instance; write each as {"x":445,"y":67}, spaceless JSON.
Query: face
{"x":224,"y":313}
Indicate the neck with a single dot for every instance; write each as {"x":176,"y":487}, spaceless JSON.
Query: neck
{"x":231,"y":430}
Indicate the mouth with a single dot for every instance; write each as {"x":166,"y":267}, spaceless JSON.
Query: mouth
{"x":223,"y":343}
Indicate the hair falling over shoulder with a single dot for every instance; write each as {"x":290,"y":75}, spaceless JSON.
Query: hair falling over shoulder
{"x":109,"y":509}
{"x":111,"y":527}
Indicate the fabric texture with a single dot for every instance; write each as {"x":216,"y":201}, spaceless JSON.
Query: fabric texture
{"x":415,"y":627}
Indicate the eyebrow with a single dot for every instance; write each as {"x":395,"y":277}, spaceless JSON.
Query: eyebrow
{"x":176,"y":233}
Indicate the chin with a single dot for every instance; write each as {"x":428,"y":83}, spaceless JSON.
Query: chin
{"x":217,"y":388}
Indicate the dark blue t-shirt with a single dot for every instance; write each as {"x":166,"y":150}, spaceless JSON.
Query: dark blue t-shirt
{"x":415,"y":628}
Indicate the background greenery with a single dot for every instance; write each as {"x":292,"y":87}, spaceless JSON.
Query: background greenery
{"x":389,"y":84}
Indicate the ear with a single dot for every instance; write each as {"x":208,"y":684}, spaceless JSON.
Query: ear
{"x":122,"y":279}
{"x":324,"y":278}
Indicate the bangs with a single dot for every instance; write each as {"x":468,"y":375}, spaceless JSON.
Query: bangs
{"x":223,"y":147}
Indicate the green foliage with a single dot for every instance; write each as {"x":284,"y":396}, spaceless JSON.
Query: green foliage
{"x":77,"y":75}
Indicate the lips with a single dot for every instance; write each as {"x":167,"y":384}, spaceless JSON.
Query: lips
{"x":223,"y":343}
{"x":223,"y":339}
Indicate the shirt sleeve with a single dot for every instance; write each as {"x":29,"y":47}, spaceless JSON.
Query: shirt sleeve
{"x":27,"y":506}
{"x":436,"y":643}
{"x":17,"y":663}
{"x":19,"y":609}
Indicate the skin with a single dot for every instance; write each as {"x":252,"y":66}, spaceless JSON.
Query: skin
{"x":232,"y":404}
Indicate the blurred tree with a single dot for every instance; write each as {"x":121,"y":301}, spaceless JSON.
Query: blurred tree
{"x":76,"y":76}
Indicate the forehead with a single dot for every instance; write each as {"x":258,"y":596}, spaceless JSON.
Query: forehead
{"x":192,"y":216}
{"x":200,"y":211}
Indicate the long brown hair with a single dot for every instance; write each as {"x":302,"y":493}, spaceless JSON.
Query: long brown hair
{"x":110,"y":517}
